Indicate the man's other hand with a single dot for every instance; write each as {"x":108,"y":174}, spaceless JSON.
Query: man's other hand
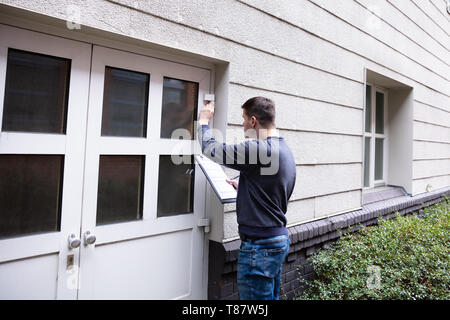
{"x":234,"y":183}
{"x":206,"y":113}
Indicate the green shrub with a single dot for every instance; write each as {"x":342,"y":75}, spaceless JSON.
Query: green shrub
{"x":402,"y":258}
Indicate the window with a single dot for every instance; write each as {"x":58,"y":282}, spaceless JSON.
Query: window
{"x":120,"y":188}
{"x":30,"y":194}
{"x":36,"y":92}
{"x":375,"y":137}
{"x":125,"y":103}
{"x":179,"y":106}
{"x":175,"y":187}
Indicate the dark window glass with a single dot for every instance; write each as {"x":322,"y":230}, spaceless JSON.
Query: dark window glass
{"x":366,"y":161}
{"x":179,"y":106}
{"x":379,"y":118}
{"x":36,"y":93}
{"x":120,"y":189}
{"x":368,"y":109}
{"x":175,"y":187}
{"x":30,"y":194}
{"x":125,"y":103}
{"x":379,"y":159}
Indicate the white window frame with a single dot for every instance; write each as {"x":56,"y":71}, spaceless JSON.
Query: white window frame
{"x":373,"y":135}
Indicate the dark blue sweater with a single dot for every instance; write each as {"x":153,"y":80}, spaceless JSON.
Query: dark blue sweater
{"x":266,"y":181}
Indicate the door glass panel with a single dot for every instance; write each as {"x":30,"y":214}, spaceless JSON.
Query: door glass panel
{"x":120,"y":189}
{"x":378,"y":159}
{"x":179,"y":106}
{"x":36,"y":93}
{"x":125,"y":103}
{"x":30,"y":194}
{"x":366,"y":161}
{"x":368,"y":109}
{"x":379,"y":117}
{"x":175,"y":187}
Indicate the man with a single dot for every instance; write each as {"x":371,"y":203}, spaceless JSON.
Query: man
{"x":267,"y":179}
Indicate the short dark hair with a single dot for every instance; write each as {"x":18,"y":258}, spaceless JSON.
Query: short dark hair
{"x":262,"y":108}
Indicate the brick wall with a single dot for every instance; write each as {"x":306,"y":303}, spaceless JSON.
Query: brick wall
{"x":306,"y":239}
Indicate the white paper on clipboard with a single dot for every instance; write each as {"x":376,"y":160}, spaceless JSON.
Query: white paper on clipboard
{"x":217,"y":179}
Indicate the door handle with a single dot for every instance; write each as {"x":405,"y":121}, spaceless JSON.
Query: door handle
{"x":74,"y":242}
{"x":89,"y":238}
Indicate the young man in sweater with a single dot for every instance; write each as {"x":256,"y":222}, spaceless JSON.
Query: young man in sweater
{"x":266,"y":181}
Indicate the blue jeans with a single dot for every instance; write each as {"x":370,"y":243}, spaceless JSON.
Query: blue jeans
{"x":259,"y":267}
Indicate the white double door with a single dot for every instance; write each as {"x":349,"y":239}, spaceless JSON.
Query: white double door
{"x":119,"y":192}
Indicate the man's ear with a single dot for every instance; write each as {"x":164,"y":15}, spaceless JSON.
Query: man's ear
{"x":253,"y":121}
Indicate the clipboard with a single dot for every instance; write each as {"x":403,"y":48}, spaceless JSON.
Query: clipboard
{"x":217,"y":179}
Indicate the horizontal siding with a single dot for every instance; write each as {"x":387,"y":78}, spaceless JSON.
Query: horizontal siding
{"x":430,"y":150}
{"x":300,"y":210}
{"x":441,"y":7}
{"x":434,"y":16}
{"x":431,"y":168}
{"x":334,"y":203}
{"x":422,"y":20}
{"x":307,"y":15}
{"x":230,"y":20}
{"x":370,"y":25}
{"x":420,"y":185}
{"x":423,"y":95}
{"x":296,"y":113}
{"x":429,"y":132}
{"x":433,"y":115}
{"x":311,"y":148}
{"x":402,"y":25}
{"x":319,"y":180}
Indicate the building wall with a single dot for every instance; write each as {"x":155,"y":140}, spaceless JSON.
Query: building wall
{"x":310,"y":57}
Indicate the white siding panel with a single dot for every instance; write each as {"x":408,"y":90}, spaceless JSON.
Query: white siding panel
{"x":273,"y":73}
{"x":429,"y":132}
{"x":313,"y":148}
{"x":430,"y":168}
{"x":430,"y":150}
{"x":230,"y":19}
{"x":422,"y":20}
{"x":300,"y":210}
{"x":429,"y":114}
{"x":409,"y":28}
{"x":433,"y":14}
{"x":424,"y":95}
{"x":441,"y":6}
{"x":317,"y":148}
{"x":297,"y":113}
{"x":434,"y":183}
{"x":364,"y":20}
{"x":326,"y":179}
{"x":339,"y":202}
